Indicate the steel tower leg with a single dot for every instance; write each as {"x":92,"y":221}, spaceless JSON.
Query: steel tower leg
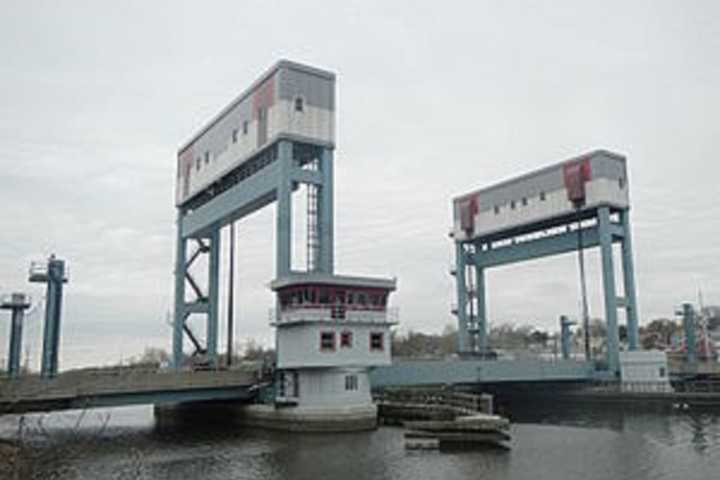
{"x":326,"y":214}
{"x":688,"y":313}
{"x":565,"y":337}
{"x":213,"y":297}
{"x":609,"y":290}
{"x":179,"y":314}
{"x":481,"y":319}
{"x":463,"y":340}
{"x":283,"y":262}
{"x":629,"y":281}
{"x":53,"y":309}
{"x":15,"y":350}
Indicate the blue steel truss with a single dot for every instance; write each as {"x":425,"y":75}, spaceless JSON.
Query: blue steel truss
{"x":601,"y":227}
{"x":272,"y":175}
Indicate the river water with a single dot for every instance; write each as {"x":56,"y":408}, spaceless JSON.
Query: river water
{"x":549,"y":442}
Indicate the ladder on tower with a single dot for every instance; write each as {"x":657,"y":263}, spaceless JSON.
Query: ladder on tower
{"x":313,"y":243}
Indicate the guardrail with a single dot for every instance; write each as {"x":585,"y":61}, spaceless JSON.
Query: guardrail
{"x":335,"y":313}
{"x":694,"y":386}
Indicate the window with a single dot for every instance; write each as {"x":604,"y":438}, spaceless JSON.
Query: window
{"x":324,"y":295}
{"x":496,"y":208}
{"x":524,"y":201}
{"x":340,"y":297}
{"x":351,"y":382}
{"x":621,"y":183}
{"x":542,"y":196}
{"x":512,"y":205}
{"x":346,"y":340}
{"x":361,"y":299}
{"x":350,"y":298}
{"x":374,"y":300}
{"x":299,"y":104}
{"x":295,"y":384}
{"x":376,"y":341}
{"x":207,"y":156}
{"x":288,"y":384}
{"x":663,"y":373}
{"x":245,"y":127}
{"x":198,"y":162}
{"x":327,"y":341}
{"x":235,"y":135}
{"x":281,"y":384}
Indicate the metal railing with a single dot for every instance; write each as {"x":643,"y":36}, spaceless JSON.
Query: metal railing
{"x":334,"y":313}
{"x":693,"y":386}
{"x":10,"y":299}
{"x":39,"y":269}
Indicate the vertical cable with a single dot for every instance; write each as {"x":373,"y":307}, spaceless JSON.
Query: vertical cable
{"x":231,"y":295}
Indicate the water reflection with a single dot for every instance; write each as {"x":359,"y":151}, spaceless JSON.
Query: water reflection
{"x":697,"y":427}
{"x":550,"y":441}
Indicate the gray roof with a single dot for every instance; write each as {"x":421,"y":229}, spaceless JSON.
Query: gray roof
{"x":290,"y":65}
{"x":300,"y":278}
{"x":594,"y":154}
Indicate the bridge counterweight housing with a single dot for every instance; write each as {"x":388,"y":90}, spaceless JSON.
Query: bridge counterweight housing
{"x":572,"y":205}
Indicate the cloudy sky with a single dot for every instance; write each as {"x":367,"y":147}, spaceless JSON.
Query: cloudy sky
{"x":435,"y":99}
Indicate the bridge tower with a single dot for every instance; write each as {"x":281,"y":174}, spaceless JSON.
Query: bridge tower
{"x":52,"y":274}
{"x":574,"y":205}
{"x":274,"y":137}
{"x":17,"y":303}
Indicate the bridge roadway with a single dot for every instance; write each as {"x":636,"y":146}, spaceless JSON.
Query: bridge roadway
{"x":123,"y":386}
{"x":117,"y":387}
{"x":412,"y":372}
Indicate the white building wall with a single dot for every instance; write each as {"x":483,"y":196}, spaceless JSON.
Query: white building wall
{"x":298,"y":345}
{"x":326,"y":388}
{"x":315,"y":124}
{"x":644,"y":371}
{"x":556,"y":203}
{"x":608,"y":185}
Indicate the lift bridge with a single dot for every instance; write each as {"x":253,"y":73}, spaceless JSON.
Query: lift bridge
{"x":275,"y":138}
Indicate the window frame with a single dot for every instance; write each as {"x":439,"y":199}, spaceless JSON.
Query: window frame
{"x":331,"y":336}
{"x":381,"y":337}
{"x":351,"y":383}
{"x":301,"y":100}
{"x":346,"y":339}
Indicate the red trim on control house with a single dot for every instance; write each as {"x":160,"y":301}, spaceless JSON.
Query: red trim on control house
{"x":323,"y":296}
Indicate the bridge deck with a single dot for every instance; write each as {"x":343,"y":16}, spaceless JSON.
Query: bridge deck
{"x":442,"y":372}
{"x":106,"y":388}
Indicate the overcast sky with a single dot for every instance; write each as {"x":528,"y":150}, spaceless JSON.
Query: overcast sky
{"x":433,"y":100}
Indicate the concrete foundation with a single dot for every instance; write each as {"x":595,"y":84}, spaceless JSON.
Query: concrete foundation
{"x":336,"y":419}
{"x":291,"y":419}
